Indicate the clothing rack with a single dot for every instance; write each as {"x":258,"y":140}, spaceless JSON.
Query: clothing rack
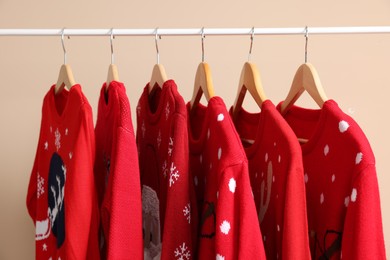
{"x":197,"y":31}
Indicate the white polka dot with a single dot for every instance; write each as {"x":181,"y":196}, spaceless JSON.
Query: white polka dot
{"x":266,"y":157}
{"x":225,"y":227}
{"x":219,"y":153}
{"x":359,"y":157}
{"x":200,"y":158}
{"x":220,"y":117}
{"x":196,"y":180}
{"x":274,"y":143}
{"x":322,"y":198}
{"x":306,"y":178}
{"x":220,"y":257}
{"x":273,"y":178}
{"x":262,"y":174}
{"x":256,"y":175}
{"x":353,"y":195}
{"x":326,"y":150}
{"x":346,"y":201}
{"x":343,"y":126}
{"x":217,"y":194}
{"x":70,"y":155}
{"x":208,"y":133}
{"x":279,"y":158}
{"x":278,"y":227}
{"x":265,"y":238}
{"x":333,"y":178}
{"x":232,"y":185}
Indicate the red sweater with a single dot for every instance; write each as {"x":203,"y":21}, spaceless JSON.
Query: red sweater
{"x":117,"y":176}
{"x":229,"y":228}
{"x":61,"y":197}
{"x":343,"y":205}
{"x":162,"y":139}
{"x":276,"y":174}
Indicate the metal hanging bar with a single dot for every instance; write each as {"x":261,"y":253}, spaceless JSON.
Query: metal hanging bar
{"x":197,"y":31}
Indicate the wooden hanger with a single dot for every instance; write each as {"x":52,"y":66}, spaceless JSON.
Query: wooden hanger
{"x":158,"y":76}
{"x":203,"y":84}
{"x":65,"y":78}
{"x":306,"y":78}
{"x":249,"y":80}
{"x":112,"y":74}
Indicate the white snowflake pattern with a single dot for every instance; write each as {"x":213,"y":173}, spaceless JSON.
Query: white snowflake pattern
{"x":143,"y":129}
{"x":159,"y":139}
{"x":170,"y":146}
{"x":57,"y":141}
{"x":167,"y":111}
{"x":173,"y":175}
{"x":164,"y":169}
{"x":182,"y":252}
{"x":40,"y":185}
{"x":187,"y":212}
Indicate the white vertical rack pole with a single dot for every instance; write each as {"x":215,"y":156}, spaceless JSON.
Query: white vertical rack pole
{"x":197,"y":31}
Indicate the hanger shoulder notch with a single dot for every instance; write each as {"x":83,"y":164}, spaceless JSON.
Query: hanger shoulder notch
{"x":65,"y":78}
{"x":203,"y":84}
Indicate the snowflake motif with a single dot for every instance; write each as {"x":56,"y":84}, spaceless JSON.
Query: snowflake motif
{"x":170,"y":146}
{"x":40,"y":186}
{"x":173,"y":175}
{"x":143,"y":129}
{"x":220,"y":257}
{"x":159,"y":139}
{"x":182,"y":252}
{"x":187,"y":212}
{"x":57,"y":141}
{"x":167,"y":110}
{"x":164,"y":169}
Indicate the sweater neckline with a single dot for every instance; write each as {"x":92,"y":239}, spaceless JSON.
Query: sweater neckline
{"x":260,"y":123}
{"x":202,"y":114}
{"x":162,"y":100}
{"x":320,"y":115}
{"x":66,"y":94}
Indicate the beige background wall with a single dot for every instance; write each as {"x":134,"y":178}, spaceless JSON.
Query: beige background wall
{"x":354,"y":69}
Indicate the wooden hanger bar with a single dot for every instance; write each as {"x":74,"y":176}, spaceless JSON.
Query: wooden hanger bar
{"x":196,"y":31}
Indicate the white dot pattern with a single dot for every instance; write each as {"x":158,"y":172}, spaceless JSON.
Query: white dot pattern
{"x":353,"y":195}
{"x":306,"y":178}
{"x":266,"y":157}
{"x":279,"y":158}
{"x":343,"y":126}
{"x":359,"y":157}
{"x":322,"y":198}
{"x":220,"y":117}
{"x":346,"y":201}
{"x":232,"y":185}
{"x":326,"y":150}
{"x":225,"y":227}
{"x":333,"y":178}
{"x":219,"y":153}
{"x":220,"y":257}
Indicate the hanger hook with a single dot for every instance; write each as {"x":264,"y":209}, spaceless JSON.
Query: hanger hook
{"x":156,"y":41}
{"x":63,"y":44}
{"x":307,"y":39}
{"x":250,"y":48}
{"x":202,"y":37}
{"x":112,"y":37}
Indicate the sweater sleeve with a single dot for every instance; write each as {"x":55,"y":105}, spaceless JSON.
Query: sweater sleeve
{"x":363,"y":234}
{"x":237,"y":234}
{"x":176,"y":239}
{"x":295,"y":242}
{"x":81,"y":203}
{"x":121,"y":209}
